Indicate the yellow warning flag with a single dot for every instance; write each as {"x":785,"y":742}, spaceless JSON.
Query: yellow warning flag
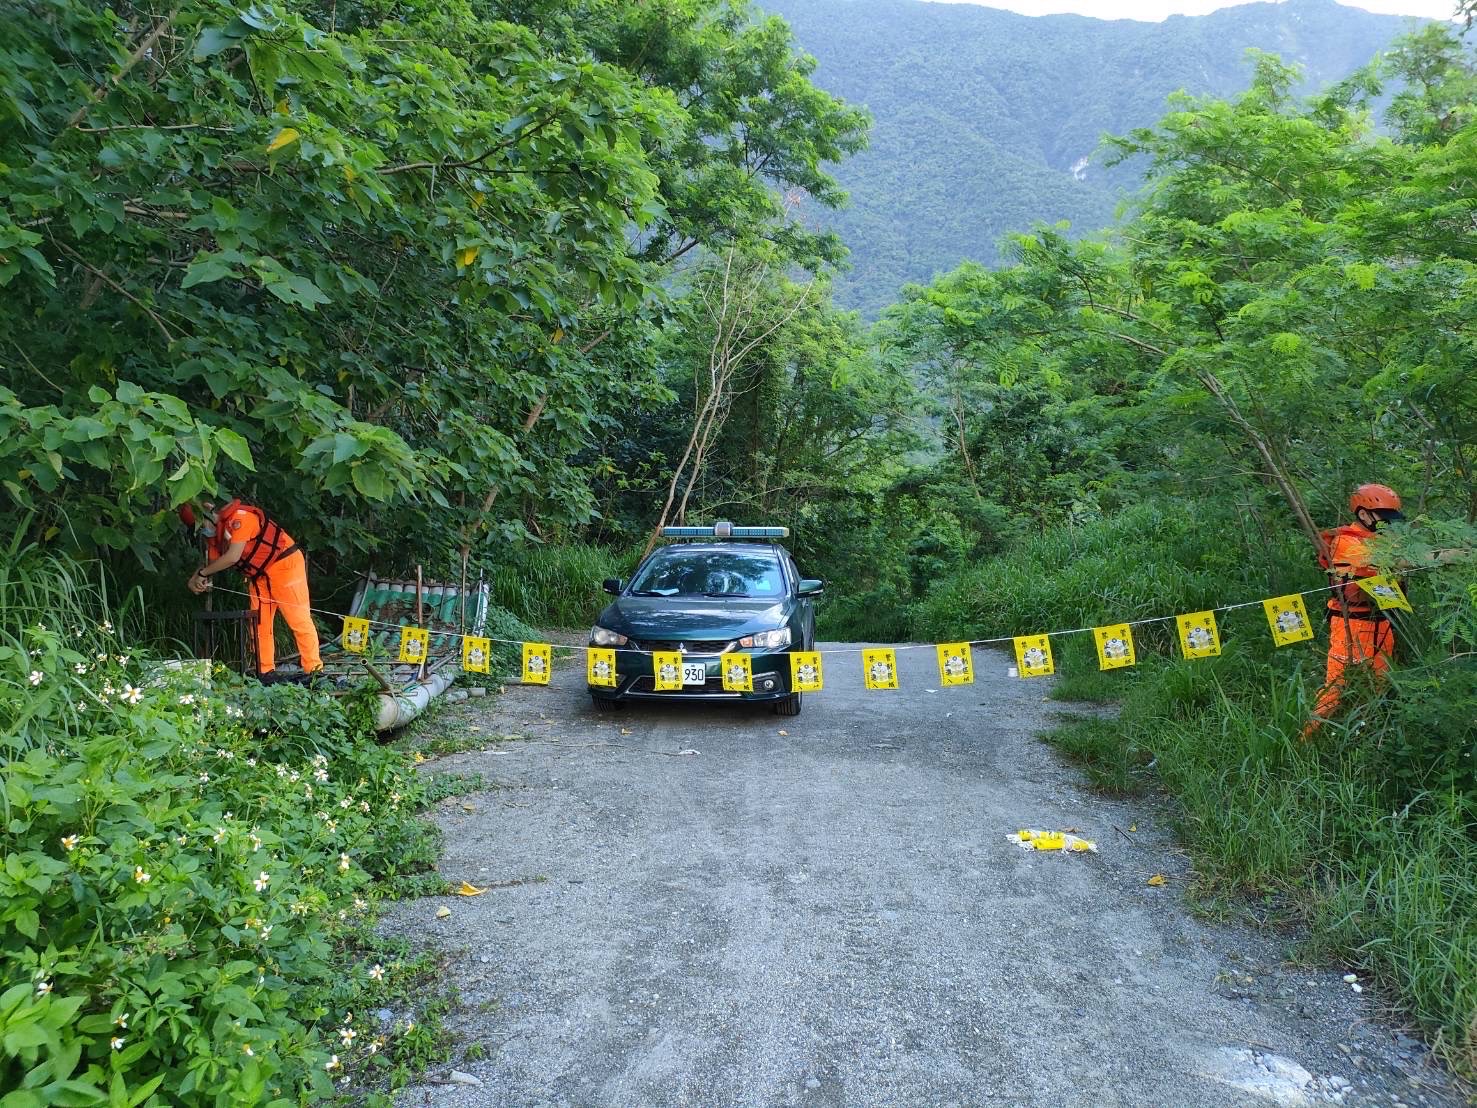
{"x":955,"y":665}
{"x":738,"y":672}
{"x":1114,"y":646}
{"x":1199,"y":635}
{"x":476,"y":654}
{"x":1386,"y":592}
{"x":600,"y":667}
{"x":805,"y":671}
{"x":356,"y":634}
{"x":538,"y":661}
{"x":879,"y":668}
{"x":1288,"y":618}
{"x":1033,"y":656}
{"x":415,"y":643}
{"x":666,"y":667}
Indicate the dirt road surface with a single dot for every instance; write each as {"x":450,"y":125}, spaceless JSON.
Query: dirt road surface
{"x":723,"y":907}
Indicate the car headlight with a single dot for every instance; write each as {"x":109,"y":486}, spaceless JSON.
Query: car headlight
{"x":603,"y":636}
{"x":768,"y":640}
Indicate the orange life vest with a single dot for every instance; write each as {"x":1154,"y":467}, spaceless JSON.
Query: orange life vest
{"x":270,"y":544}
{"x":1346,"y":555}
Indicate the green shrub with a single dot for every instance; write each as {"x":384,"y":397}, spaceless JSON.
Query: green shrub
{"x":189,"y":874}
{"x":556,"y":586}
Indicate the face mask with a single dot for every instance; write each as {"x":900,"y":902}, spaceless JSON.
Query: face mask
{"x":208,"y":530}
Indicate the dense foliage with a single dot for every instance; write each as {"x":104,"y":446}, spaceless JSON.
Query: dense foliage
{"x":191,"y":869}
{"x":381,"y":265}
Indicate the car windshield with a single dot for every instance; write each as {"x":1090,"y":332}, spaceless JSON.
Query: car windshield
{"x":680,"y":572}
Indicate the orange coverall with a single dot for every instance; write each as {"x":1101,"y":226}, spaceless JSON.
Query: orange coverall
{"x":1358,"y":633}
{"x":283,"y":587}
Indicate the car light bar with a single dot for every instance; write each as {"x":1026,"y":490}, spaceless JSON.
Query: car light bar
{"x":725,"y":531}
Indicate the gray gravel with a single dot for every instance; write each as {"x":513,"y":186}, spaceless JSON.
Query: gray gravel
{"x":834,"y":916}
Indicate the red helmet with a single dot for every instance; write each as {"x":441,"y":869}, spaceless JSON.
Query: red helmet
{"x":1375,"y":498}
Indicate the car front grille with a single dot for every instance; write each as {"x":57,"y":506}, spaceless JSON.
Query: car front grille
{"x":687,"y":646}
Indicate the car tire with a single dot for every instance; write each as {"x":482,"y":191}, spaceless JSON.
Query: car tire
{"x":789,"y":706}
{"x":605,"y":703}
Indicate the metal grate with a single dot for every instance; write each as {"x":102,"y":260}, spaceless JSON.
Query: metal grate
{"x":688,"y":646}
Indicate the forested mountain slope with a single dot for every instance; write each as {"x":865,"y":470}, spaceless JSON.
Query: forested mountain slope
{"x":987,"y":121}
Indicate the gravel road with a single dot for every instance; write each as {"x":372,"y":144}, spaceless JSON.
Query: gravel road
{"x":703,"y":909}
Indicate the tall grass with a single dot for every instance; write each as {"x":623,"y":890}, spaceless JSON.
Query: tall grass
{"x":1366,"y":839}
{"x":556,"y":586}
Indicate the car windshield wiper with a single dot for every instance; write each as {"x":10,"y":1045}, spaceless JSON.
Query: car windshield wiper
{"x":720,"y":595}
{"x":654,"y":592}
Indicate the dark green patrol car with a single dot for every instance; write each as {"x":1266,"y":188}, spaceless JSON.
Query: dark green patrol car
{"x":724,"y":590}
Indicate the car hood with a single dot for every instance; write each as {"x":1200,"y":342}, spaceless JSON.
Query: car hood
{"x":658,"y":617}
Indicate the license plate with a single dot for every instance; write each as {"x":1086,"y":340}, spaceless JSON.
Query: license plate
{"x":694,"y":673}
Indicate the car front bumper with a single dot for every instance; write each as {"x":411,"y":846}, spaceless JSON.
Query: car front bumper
{"x":636,"y":680}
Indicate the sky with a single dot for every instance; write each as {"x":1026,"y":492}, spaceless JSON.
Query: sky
{"x":1155,"y":10}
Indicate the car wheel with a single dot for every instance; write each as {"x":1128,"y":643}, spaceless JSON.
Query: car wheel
{"x":789,"y":706}
{"x":605,"y":703}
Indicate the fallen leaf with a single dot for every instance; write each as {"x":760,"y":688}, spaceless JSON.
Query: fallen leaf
{"x":285,"y":137}
{"x":442,"y":912}
{"x":419,"y":757}
{"x":784,"y":732}
{"x":467,"y":889}
{"x":625,"y":730}
{"x":1157,"y":880}
{"x":469,"y":808}
{"x":1133,"y":827}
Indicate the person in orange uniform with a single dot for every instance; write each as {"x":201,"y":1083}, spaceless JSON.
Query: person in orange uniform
{"x":1359,"y":633}
{"x":243,"y":537}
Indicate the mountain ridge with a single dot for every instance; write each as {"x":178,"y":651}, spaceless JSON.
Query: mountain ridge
{"x":987,"y":121}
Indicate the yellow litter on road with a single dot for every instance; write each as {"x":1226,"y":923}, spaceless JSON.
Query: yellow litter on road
{"x":1052,"y":840}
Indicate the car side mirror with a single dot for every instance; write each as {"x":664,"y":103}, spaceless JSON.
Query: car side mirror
{"x":811,"y":586}
{"x":612,"y":585}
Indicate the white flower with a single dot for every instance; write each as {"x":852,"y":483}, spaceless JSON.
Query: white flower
{"x":332,"y":825}
{"x":261,"y":882}
{"x":251,"y":762}
{"x":360,"y":904}
{"x":281,"y":770}
{"x":220,"y":833}
{"x":293,"y":777}
{"x":308,"y":792}
{"x":182,"y":839}
{"x":123,"y":659}
{"x":140,"y":876}
{"x":394,"y":800}
{"x":320,"y":775}
{"x":256,"y":842}
{"x":320,"y":759}
{"x":332,"y":1063}
{"x":364,"y":807}
{"x":298,"y":908}
{"x":204,"y":777}
{"x":116,"y":1042}
{"x":44,"y":987}
{"x":266,"y":932}
{"x":80,"y":667}
{"x":344,"y":803}
{"x":246,"y":1050}
{"x":122,"y":1021}
{"x":343,"y":863}
{"x":69,"y":842}
{"x":102,"y":657}
{"x":37,"y":677}
{"x":105,"y":627}
{"x":376,"y":972}
{"x":132,"y":695}
{"x":187,"y":699}
{"x":226,"y":754}
{"x":374,"y":1047}
{"x":347,"y":1035}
